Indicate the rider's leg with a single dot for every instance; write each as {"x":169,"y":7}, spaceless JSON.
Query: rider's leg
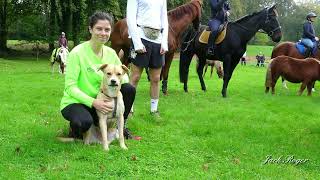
{"x":214,"y":26}
{"x":309,"y":45}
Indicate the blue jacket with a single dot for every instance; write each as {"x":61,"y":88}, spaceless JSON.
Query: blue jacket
{"x":219,"y":9}
{"x":308,"y":31}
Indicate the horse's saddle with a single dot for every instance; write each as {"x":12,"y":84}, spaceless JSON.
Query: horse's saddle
{"x":204,"y":37}
{"x":302,"y":48}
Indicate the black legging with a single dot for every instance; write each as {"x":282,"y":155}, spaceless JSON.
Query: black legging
{"x":81,"y":116}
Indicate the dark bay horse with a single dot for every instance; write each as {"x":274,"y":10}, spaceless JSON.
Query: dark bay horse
{"x":305,"y":71}
{"x":289,"y":49}
{"x":179,"y":19}
{"x":231,"y":49}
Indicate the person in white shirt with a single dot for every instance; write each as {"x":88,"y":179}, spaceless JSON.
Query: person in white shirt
{"x":148,"y":28}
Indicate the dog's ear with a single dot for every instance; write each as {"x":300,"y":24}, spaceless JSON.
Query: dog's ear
{"x":126,"y":70}
{"x":103,"y":66}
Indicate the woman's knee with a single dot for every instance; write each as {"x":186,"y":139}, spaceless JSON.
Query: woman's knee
{"x":128,"y":89}
{"x":155,"y":78}
{"x":135,"y":77}
{"x":82,"y":122}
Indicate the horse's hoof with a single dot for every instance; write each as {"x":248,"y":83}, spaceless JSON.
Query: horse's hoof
{"x":185,"y":90}
{"x":165,"y":93}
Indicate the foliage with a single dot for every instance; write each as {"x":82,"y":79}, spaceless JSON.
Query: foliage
{"x":38,"y":20}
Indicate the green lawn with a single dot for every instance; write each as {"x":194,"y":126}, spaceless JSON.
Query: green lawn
{"x":200,"y":135}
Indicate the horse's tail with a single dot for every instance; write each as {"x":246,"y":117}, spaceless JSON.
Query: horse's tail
{"x":186,"y":53}
{"x":269,"y":76}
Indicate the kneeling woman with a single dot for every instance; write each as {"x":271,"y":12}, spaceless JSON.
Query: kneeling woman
{"x":82,"y":80}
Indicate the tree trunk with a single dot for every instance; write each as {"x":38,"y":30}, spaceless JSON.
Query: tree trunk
{"x":3,"y":26}
{"x":76,"y":21}
{"x":52,"y":24}
{"x":65,"y":22}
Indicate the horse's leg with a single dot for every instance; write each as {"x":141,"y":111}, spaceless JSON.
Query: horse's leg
{"x":211,"y":72}
{"x":284,"y":84}
{"x":165,"y":72}
{"x":62,"y":67}
{"x":184,"y":64}
{"x":205,"y":69}
{"x":202,"y":63}
{"x":52,"y":67}
{"x":313,"y":89}
{"x":310,"y":87}
{"x":302,"y":87}
{"x":227,"y":68}
{"x":274,"y":79}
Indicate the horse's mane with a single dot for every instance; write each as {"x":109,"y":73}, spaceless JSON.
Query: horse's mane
{"x":245,"y":18}
{"x":180,"y":11}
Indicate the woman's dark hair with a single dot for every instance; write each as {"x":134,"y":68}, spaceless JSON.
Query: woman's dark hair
{"x":99,"y":15}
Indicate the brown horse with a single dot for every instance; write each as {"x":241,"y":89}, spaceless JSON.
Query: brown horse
{"x":305,"y":71}
{"x":178,"y":18}
{"x":289,"y":49}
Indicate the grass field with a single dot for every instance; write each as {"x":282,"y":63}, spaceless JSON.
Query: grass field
{"x":200,"y":135}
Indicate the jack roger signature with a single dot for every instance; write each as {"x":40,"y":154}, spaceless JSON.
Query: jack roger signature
{"x":290,"y":159}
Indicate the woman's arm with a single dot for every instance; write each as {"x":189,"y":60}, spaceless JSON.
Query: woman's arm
{"x":132,"y":7}
{"x":165,"y":26}
{"x":71,"y":81}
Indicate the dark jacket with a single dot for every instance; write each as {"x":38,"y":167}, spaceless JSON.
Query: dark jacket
{"x":308,"y":31}
{"x":219,"y":9}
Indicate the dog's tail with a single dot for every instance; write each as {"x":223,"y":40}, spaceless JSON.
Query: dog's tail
{"x":66,"y":139}
{"x":268,"y":77}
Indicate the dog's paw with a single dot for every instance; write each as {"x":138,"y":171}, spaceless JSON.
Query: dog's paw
{"x":124,"y":147}
{"x":106,"y":148}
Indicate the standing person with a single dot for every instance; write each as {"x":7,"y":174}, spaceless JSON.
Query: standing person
{"x":148,"y":28}
{"x":243,"y":59}
{"x":309,"y":36}
{"x":63,"y":42}
{"x":219,"y":13}
{"x":83,"y":79}
{"x":260,"y":59}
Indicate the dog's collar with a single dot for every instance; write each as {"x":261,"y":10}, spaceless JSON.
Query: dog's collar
{"x":114,"y":112}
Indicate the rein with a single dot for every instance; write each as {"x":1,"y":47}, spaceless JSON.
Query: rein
{"x":189,"y":42}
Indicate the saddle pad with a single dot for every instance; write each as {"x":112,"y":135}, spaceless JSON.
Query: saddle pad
{"x":302,"y":49}
{"x":204,"y":37}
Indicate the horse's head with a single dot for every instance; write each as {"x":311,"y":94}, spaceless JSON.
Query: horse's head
{"x":63,"y":53}
{"x":196,"y":20}
{"x":219,"y":68}
{"x":271,"y":24}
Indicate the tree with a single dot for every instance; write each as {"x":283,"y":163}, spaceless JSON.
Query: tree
{"x":3,"y":25}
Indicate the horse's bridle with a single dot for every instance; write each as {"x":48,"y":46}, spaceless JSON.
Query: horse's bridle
{"x":270,"y":33}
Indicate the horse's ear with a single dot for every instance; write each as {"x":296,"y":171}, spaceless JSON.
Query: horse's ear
{"x":126,"y":70}
{"x":273,"y":7}
{"x":102,"y":67}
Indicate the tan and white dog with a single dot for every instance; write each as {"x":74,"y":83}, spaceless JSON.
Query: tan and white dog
{"x":111,"y":124}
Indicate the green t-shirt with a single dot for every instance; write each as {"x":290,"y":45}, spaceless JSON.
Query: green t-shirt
{"x":82,"y":78}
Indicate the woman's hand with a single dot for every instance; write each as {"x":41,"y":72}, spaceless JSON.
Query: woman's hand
{"x":162,"y":51}
{"x":103,"y":106}
{"x":141,"y":51}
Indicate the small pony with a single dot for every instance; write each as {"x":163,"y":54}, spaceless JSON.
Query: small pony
{"x":213,"y":64}
{"x":293,"y":70}
{"x":60,"y":56}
